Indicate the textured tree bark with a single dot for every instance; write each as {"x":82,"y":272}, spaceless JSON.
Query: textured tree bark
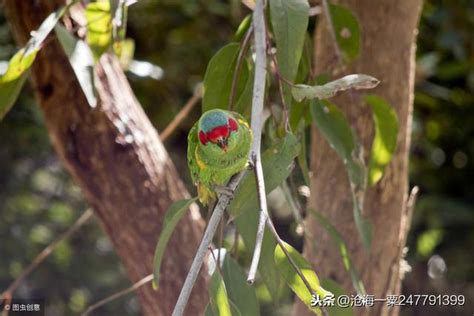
{"x":389,"y":31}
{"x":115,"y":155}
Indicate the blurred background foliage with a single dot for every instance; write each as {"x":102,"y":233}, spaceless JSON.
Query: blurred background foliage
{"x":38,"y":200}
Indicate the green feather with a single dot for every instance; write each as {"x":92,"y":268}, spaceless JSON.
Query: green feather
{"x":210,"y":166}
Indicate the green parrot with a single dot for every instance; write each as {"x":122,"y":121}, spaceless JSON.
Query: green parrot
{"x":218,"y":147}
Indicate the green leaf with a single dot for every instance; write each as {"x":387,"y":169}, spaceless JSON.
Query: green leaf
{"x":82,"y":62}
{"x":239,"y":291}
{"x":99,"y":27}
{"x":294,"y":281}
{"x":336,"y":130}
{"x":218,"y":78}
{"x":243,"y":28}
{"x":277,"y":161}
{"x":289,"y":20}
{"x":333,"y":125}
{"x":175,"y":212}
{"x":344,"y":252}
{"x":13,"y":79}
{"x":300,"y":110}
{"x":337,"y":290}
{"x":244,"y":103}
{"x":385,"y":140}
{"x":302,"y":159}
{"x":218,"y":295}
{"x":125,"y":50}
{"x":328,"y":90}
{"x":347,"y":31}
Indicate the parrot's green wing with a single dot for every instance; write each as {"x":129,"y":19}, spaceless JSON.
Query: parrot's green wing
{"x":192,"y":143}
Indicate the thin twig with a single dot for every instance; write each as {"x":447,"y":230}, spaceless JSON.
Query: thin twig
{"x":217,"y":261}
{"x":263,"y":217}
{"x":119,"y":294}
{"x":332,"y":31}
{"x":181,"y":115}
{"x":47,"y":251}
{"x":244,"y":46}
{"x":256,"y":123}
{"x":288,"y":256}
{"x":209,"y":233}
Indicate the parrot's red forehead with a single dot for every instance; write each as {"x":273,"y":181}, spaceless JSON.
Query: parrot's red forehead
{"x":218,"y":132}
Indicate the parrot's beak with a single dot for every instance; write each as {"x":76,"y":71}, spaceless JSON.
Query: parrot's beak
{"x":222,"y":143}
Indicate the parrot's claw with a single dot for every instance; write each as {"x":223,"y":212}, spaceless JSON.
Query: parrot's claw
{"x":223,"y":190}
{"x":250,"y":165}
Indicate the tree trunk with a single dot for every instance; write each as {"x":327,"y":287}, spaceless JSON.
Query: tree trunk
{"x":115,"y":155}
{"x":389,"y":31}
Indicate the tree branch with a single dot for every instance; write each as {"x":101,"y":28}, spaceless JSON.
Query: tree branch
{"x":46,"y":252}
{"x":214,"y":221}
{"x":119,"y":294}
{"x":183,"y":113}
{"x":238,"y":67}
{"x":256,"y":123}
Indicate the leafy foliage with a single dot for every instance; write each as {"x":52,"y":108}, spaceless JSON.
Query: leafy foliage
{"x":219,"y":304}
{"x":99,"y":27}
{"x":339,"y":240}
{"x":175,"y":212}
{"x":218,"y":78}
{"x":335,"y":128}
{"x":328,"y":90}
{"x":289,"y":19}
{"x":294,"y":281}
{"x":241,"y":294}
{"x":347,"y":29}
{"x":81,"y":60}
{"x":385,"y":139}
{"x":13,"y":79}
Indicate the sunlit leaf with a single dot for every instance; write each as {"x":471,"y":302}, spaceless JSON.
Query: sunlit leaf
{"x":13,"y":79}
{"x":82,"y":62}
{"x":385,"y":139}
{"x":343,"y":251}
{"x":145,"y":69}
{"x":38,"y":36}
{"x":347,"y":30}
{"x":218,"y":296}
{"x":99,"y":27}
{"x":243,"y":28}
{"x":336,"y":130}
{"x":219,"y":75}
{"x":277,"y":162}
{"x":328,"y":90}
{"x":15,"y":76}
{"x":125,"y":50}
{"x":289,"y":19}
{"x":337,"y":290}
{"x":294,"y":281}
{"x":239,"y":291}
{"x":427,"y":241}
{"x":174,"y":213}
